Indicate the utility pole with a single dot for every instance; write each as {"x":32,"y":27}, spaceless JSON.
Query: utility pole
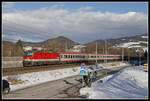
{"x":96,"y":52}
{"x":106,"y":50}
{"x":128,"y":55}
{"x":139,"y":58}
{"x":66,"y":47}
{"x":122,"y":54}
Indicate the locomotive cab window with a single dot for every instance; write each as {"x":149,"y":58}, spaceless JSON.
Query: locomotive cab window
{"x":28,"y":53}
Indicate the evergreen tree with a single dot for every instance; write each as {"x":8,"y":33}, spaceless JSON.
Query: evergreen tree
{"x":18,"y":51}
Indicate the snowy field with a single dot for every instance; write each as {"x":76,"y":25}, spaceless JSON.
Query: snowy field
{"x":113,"y":64}
{"x":31,"y":79}
{"x":130,"y":83}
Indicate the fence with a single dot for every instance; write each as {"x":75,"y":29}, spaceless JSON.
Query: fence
{"x":8,"y":62}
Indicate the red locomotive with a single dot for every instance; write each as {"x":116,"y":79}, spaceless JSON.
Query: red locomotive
{"x":44,"y":58}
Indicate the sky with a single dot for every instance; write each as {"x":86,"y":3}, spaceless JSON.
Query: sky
{"x":80,"y":21}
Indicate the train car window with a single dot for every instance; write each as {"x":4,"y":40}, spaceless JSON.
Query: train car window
{"x":65,"y":56}
{"x":28,"y":53}
{"x":83,"y":56}
{"x":76,"y":56}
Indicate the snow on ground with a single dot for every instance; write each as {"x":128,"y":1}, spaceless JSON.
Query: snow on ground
{"x":129,"y":83}
{"x":128,"y":44}
{"x":144,"y":36}
{"x":145,"y":49}
{"x":113,"y":64}
{"x":30,"y":79}
{"x":133,"y":44}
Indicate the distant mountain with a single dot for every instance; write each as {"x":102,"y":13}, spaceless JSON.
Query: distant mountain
{"x":58,"y":44}
{"x":138,"y":41}
{"x":61,"y":43}
{"x":135,"y":41}
{"x":142,"y":37}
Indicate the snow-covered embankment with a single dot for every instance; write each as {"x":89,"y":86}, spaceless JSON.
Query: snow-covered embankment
{"x":130,"y":83}
{"x":30,"y":79}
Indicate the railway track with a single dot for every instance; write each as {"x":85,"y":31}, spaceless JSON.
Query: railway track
{"x":22,"y":70}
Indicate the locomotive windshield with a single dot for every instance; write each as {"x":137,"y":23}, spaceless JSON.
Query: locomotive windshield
{"x":29,"y":53}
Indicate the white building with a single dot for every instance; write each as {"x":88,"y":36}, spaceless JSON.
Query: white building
{"x":77,"y":48}
{"x":27,"y":48}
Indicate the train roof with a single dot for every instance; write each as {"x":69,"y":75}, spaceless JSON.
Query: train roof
{"x":105,"y":54}
{"x":88,"y":53}
{"x":72,"y":53}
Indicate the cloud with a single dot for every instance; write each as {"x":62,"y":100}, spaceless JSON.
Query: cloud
{"x":7,"y":6}
{"x":86,"y":8}
{"x":82,"y":25}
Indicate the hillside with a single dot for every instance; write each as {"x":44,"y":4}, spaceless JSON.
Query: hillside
{"x":131,"y":82}
{"x":114,"y":45}
{"x":54,"y":45}
{"x":61,"y":44}
{"x":7,"y":48}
